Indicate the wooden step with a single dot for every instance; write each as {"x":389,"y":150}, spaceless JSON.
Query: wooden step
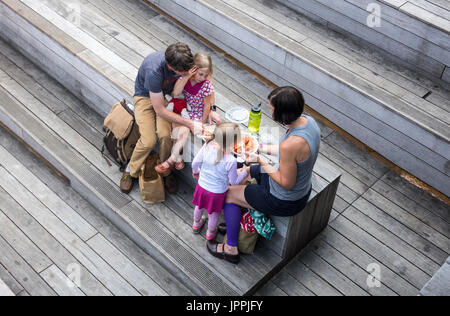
{"x":340,"y":266}
{"x":5,"y":290}
{"x":373,"y":105}
{"x":416,"y":32}
{"x":103,"y":193}
{"x":439,"y":285}
{"x":164,"y":231}
{"x":59,"y":234}
{"x":78,"y":67}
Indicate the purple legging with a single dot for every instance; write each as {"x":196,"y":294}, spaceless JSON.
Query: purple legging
{"x":232,"y":215}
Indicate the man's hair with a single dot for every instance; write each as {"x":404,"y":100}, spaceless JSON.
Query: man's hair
{"x":179,"y":57}
{"x":288,"y":103}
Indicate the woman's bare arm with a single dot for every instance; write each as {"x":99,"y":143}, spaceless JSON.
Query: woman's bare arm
{"x":286,"y":176}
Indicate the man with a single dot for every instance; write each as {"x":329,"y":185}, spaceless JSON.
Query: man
{"x":156,"y":78}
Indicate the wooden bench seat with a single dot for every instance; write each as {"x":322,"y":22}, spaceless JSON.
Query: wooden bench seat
{"x":5,"y":290}
{"x":376,"y":103}
{"x":417,"y":32}
{"x":100,"y":73}
{"x":439,"y":285}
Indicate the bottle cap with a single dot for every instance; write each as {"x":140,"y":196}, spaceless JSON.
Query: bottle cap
{"x":257,"y":108}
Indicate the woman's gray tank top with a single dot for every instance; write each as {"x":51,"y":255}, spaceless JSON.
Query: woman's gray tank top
{"x":311,"y":133}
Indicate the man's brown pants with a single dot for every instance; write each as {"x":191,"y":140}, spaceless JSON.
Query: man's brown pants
{"x":153,"y":129}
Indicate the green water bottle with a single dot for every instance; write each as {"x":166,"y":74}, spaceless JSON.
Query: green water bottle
{"x":254,"y":123}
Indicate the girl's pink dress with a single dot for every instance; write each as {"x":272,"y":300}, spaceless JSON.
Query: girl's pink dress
{"x":212,"y":187}
{"x":194,"y":96}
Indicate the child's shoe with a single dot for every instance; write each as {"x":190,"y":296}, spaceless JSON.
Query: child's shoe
{"x":210,"y":236}
{"x":197,"y":227}
{"x":163,"y":171}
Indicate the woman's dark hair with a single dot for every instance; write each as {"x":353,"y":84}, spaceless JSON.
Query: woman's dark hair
{"x":288,"y":103}
{"x":179,"y":57}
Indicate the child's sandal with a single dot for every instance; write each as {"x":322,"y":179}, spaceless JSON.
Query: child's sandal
{"x":163,"y":171}
{"x":180,"y":165}
{"x":210,"y":236}
{"x":197,"y":229}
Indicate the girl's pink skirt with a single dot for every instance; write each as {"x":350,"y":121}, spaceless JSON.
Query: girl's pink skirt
{"x":211,"y":202}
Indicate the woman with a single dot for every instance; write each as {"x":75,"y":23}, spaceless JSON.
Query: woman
{"x":283,"y":190}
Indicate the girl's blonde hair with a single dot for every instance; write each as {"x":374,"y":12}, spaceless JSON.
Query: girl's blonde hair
{"x":203,"y":60}
{"x":227,"y":136}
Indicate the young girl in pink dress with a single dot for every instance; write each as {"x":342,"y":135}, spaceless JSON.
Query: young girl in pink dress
{"x":215,"y":168}
{"x":198,"y":92}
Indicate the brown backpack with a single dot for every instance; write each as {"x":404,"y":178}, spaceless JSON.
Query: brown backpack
{"x":122,"y":134}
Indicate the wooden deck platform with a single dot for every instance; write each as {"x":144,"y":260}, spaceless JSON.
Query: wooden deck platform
{"x":352,"y":85}
{"x":50,"y":237}
{"x":378,"y":217}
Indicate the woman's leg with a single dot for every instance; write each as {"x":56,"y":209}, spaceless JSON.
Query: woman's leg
{"x":236,"y":195}
{"x":232,"y":214}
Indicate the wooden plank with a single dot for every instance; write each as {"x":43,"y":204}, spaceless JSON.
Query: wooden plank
{"x":66,"y":237}
{"x":87,"y":40}
{"x":271,"y":289}
{"x":9,"y":280}
{"x":62,"y":70}
{"x":401,"y":247}
{"x":327,"y":272}
{"x":346,"y":47}
{"x":289,"y":285}
{"x":392,"y":87}
{"x":87,"y":211}
{"x":413,"y":208}
{"x":364,"y":159}
{"x":300,"y":227}
{"x":32,"y":86}
{"x":22,"y":245}
{"x":52,"y":86}
{"x":331,"y":54}
{"x":440,"y":20}
{"x":4,"y":289}
{"x":60,"y":282}
{"x":383,"y":254}
{"x":337,"y":15}
{"x":348,"y":268}
{"x":412,"y":24}
{"x":47,"y":197}
{"x":362,"y":257}
{"x":109,"y":192}
{"x":46,"y":26}
{"x":311,"y":280}
{"x":409,"y":221}
{"x":418,"y":195}
{"x":49,"y":245}
{"x":136,"y":277}
{"x":420,"y":243}
{"x":22,"y":272}
{"x":79,"y":124}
